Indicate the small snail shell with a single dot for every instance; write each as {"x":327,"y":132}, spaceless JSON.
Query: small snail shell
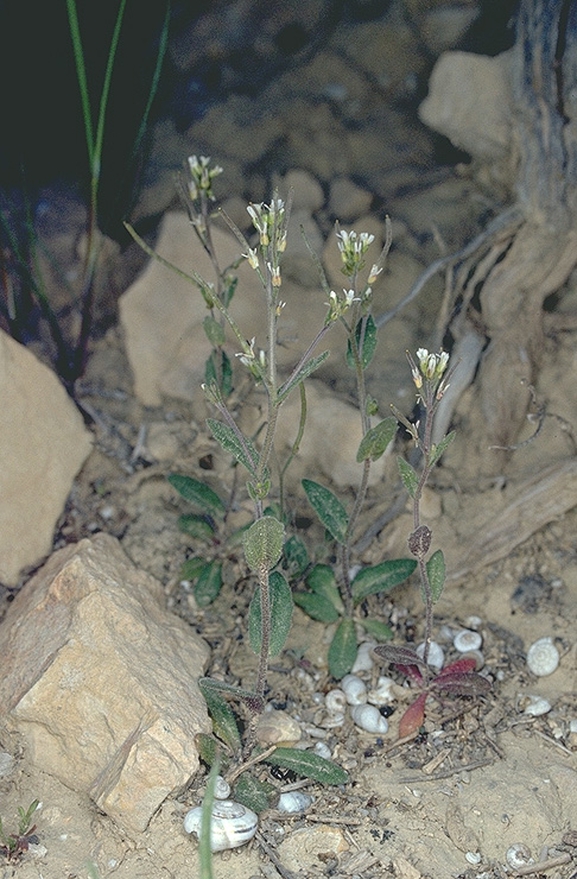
{"x":518,"y":855}
{"x":231,"y":826}
{"x":370,"y":719}
{"x":436,"y":655}
{"x":533,"y":706}
{"x":383,"y":694}
{"x":467,"y":640}
{"x":335,"y":701}
{"x":355,"y":690}
{"x":221,"y":788}
{"x":294,"y":801}
{"x":542,"y":657}
{"x":364,"y":660}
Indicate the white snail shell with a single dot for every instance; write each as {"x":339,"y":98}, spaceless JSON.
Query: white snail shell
{"x":294,"y":801}
{"x":370,"y":719}
{"x":364,"y":660}
{"x":355,"y":689}
{"x":323,"y":750}
{"x":542,"y":657}
{"x":534,"y":706}
{"x":518,"y":855}
{"x":221,"y":788}
{"x":467,"y":640}
{"x":436,"y":655}
{"x":335,"y":701}
{"x":384,"y":693}
{"x":231,"y":826}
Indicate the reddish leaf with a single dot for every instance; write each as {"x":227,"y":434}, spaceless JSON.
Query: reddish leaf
{"x":461,"y":684}
{"x":413,"y":717}
{"x":466,"y":664}
{"x":410,"y":671}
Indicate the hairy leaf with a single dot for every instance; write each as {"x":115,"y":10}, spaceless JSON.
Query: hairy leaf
{"x":328,"y":508}
{"x":253,"y":793}
{"x":366,"y":340}
{"x":377,"y":629}
{"x":397,"y":655}
{"x":436,"y":573}
{"x":208,"y":584}
{"x":245,"y":453}
{"x":376,"y":440}
{"x":223,"y":720}
{"x":296,"y":557}
{"x":263,"y":543}
{"x":321,"y":581}
{"x":196,"y":493}
{"x":308,"y":764}
{"x":199,"y":527}
{"x":343,"y":649}
{"x":281,"y":609}
{"x":317,"y":607}
{"x":214,"y":331}
{"x":381,"y":578}
{"x":408,"y":475}
{"x":438,"y":450}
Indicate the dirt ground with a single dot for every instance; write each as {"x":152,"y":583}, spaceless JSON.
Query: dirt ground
{"x":483,"y":775}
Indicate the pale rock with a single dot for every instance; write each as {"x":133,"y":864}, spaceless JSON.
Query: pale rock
{"x":101,"y":681}
{"x":443,"y":27}
{"x":347,"y":200}
{"x":43,"y":444}
{"x":471,"y":103}
{"x":306,"y":190}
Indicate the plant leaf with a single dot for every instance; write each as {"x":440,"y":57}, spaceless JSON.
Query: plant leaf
{"x":281,"y":609}
{"x":208,"y":584}
{"x":369,"y":341}
{"x":321,"y":581}
{"x":223,"y":720}
{"x":408,"y":475}
{"x":263,"y":543}
{"x":438,"y":450}
{"x":436,"y":573}
{"x":396,"y":655}
{"x":376,"y":440}
{"x":343,"y":649}
{"x":317,"y":607}
{"x":192,"y":568}
{"x":328,"y":508}
{"x":377,"y":629}
{"x":308,"y":764}
{"x":255,"y":794}
{"x":305,"y":370}
{"x":196,"y":526}
{"x":296,"y":557}
{"x":221,"y":378}
{"x":246,"y":454}
{"x":208,"y":748}
{"x":196,"y":493}
{"x":381,"y":578}
{"x":413,"y":717}
{"x":214,"y":331}
{"x":461,"y":683}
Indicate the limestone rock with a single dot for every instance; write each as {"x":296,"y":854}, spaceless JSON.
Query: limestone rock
{"x":101,"y":680}
{"x":470,"y":102}
{"x":43,"y":444}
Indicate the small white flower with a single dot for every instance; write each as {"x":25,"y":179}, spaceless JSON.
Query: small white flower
{"x":252,"y":258}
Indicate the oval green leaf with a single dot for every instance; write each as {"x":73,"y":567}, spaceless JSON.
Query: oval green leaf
{"x":343,"y":649}
{"x":281,"y":609}
{"x":381,"y":578}
{"x":208,"y":584}
{"x":408,"y":475}
{"x":317,"y":607}
{"x":223,"y":720}
{"x":328,"y":508}
{"x":263,"y":543}
{"x":243,"y":450}
{"x":308,"y":764}
{"x":196,"y":526}
{"x":196,"y":493}
{"x":376,"y":440}
{"x":377,"y":629}
{"x":321,"y":581}
{"x":366,"y":339}
{"x":436,"y":574}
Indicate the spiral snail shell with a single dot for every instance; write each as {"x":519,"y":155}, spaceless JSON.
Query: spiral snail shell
{"x":231,"y":826}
